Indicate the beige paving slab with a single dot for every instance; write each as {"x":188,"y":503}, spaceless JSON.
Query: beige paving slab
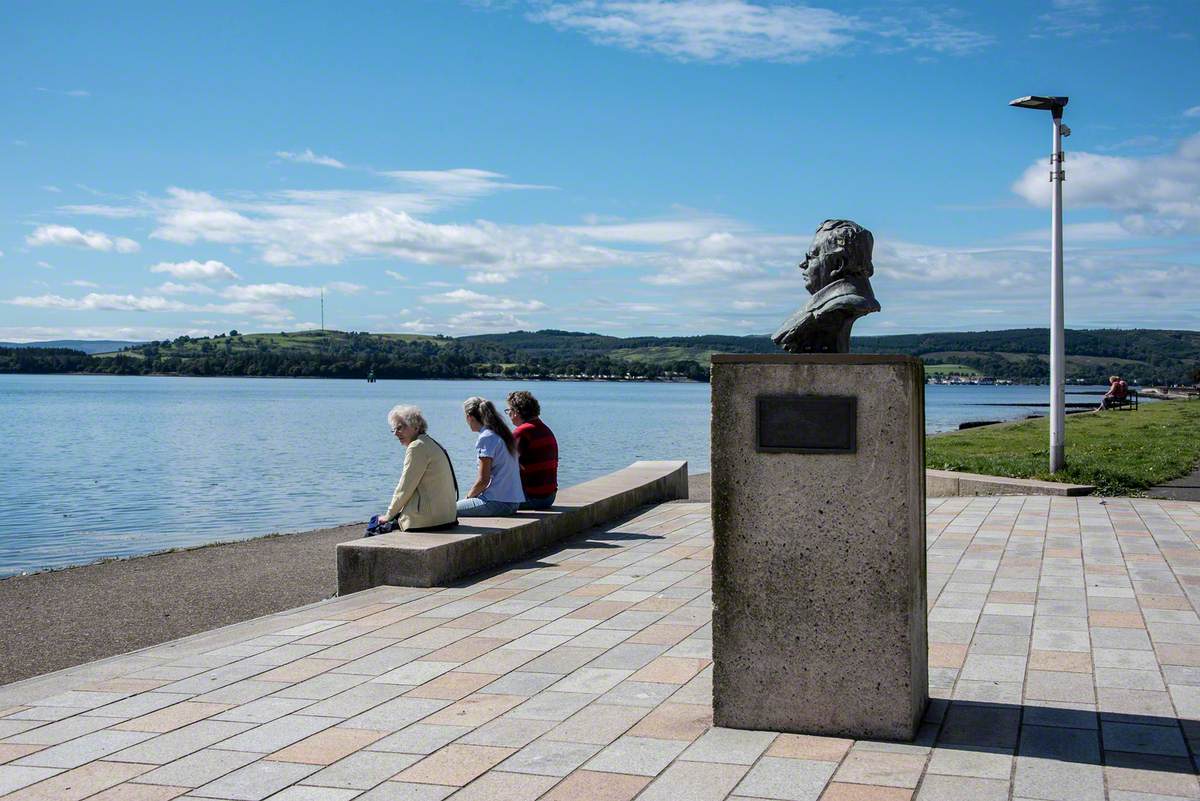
{"x":587,"y":675}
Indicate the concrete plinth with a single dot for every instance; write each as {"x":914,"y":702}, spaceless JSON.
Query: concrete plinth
{"x":819,"y":558}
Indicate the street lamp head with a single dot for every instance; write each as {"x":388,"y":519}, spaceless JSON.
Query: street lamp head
{"x":1042,"y":103}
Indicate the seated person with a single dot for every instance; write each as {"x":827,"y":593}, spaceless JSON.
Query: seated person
{"x":497,"y":490}
{"x":537,"y":451}
{"x":428,"y":489}
{"x":1118,"y":391}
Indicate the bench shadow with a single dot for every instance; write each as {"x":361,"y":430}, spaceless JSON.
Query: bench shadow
{"x":1138,"y":742}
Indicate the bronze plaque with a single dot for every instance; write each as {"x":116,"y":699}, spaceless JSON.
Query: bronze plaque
{"x":807,"y":424}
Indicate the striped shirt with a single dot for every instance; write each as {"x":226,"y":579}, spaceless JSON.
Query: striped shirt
{"x":537,"y":452}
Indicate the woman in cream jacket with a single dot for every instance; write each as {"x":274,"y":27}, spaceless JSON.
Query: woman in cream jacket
{"x":426,"y":495}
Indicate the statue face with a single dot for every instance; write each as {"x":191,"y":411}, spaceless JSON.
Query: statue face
{"x":818,"y":264}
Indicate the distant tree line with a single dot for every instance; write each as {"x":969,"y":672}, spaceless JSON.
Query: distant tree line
{"x":1149,"y":356}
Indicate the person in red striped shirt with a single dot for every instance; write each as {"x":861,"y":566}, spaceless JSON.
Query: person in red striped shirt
{"x":537,"y":451}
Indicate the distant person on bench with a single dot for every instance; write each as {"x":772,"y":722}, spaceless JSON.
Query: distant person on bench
{"x":497,"y":490}
{"x":1118,"y":392}
{"x":537,"y":451}
{"x":428,"y":489}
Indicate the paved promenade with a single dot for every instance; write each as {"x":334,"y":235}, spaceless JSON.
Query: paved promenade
{"x":1065,"y":666}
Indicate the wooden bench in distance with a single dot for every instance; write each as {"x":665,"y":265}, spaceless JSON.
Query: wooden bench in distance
{"x":430,"y":559}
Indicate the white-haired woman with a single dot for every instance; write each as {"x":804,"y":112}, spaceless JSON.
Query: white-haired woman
{"x":426,"y":494}
{"x":497,"y":490}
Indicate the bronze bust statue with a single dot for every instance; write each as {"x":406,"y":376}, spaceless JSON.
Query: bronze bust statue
{"x":837,"y":272}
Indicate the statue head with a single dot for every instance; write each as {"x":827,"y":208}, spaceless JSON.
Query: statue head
{"x":840,"y":249}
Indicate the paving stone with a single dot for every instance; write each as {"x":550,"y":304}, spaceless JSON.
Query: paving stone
{"x":521,"y":682}
{"x":1165,"y":740}
{"x":637,"y":755}
{"x":263,"y":710}
{"x":671,"y":721}
{"x":509,"y":732}
{"x":1045,"y":685}
{"x":974,"y":764}
{"x":455,"y":765}
{"x":637,"y":693}
{"x":279,"y":733}
{"x":362,"y":770}
{"x":585,"y":785}
{"x":958,"y":788}
{"x":328,"y":746}
{"x":1146,"y":773}
{"x":881,"y":767}
{"x":198,"y":769}
{"x":313,"y":794}
{"x":590,"y":680}
{"x":598,"y":724}
{"x":138,"y":792}
{"x":497,"y":784}
{"x":83,"y":750}
{"x":138,"y":705}
{"x":790,"y":779}
{"x":176,"y":744}
{"x":1056,"y":780}
{"x":562,"y":660}
{"x":549,"y":758}
{"x":421,"y":738}
{"x":695,"y":781}
{"x":172,"y":717}
{"x":733,"y":746}
{"x":552,"y":705}
{"x":14,"y":777}
{"x":396,"y":714}
{"x":79,"y":783}
{"x":836,"y":791}
{"x":59,"y":731}
{"x":256,"y":781}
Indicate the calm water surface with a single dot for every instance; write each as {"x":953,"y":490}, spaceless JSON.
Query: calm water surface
{"x":104,"y":466}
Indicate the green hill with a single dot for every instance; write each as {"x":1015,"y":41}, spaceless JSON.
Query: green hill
{"x":1142,"y":356}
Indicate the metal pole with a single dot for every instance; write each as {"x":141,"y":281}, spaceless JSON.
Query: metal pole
{"x":1057,"y":331}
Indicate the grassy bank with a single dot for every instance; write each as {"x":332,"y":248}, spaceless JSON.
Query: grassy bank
{"x":1121,"y":453}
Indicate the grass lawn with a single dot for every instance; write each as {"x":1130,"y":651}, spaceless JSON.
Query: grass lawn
{"x":1120,"y":452}
{"x":947,"y":369}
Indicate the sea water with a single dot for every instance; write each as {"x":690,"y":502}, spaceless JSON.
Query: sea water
{"x":93,"y":467}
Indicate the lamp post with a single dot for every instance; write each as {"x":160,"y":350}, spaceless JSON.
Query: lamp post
{"x":1057,"y":333}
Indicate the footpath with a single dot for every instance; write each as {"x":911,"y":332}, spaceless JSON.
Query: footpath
{"x":63,"y":618}
{"x":1186,"y":488}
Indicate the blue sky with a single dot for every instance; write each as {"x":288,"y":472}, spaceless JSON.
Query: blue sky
{"x":631,"y":168}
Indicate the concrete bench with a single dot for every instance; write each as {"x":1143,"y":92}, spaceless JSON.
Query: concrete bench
{"x":430,"y":559}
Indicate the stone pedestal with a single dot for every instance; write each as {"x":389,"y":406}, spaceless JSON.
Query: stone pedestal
{"x":818,"y":501}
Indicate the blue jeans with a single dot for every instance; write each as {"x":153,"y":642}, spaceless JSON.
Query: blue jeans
{"x":478,"y":507}
{"x":539,"y":504}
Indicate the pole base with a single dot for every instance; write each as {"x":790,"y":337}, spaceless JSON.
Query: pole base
{"x":1058,"y":458}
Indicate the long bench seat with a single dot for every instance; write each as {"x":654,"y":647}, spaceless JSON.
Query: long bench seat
{"x":430,"y":559}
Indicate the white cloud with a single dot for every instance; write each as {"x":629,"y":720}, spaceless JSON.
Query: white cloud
{"x":94,"y":301}
{"x":461,"y":183}
{"x":151,"y":303}
{"x":345,"y":287}
{"x":1159,"y":195}
{"x":705,"y":30}
{"x":172,"y":288}
{"x":481,"y":322}
{"x":309,"y":157}
{"x":259,"y":292}
{"x":84,"y":284}
{"x":489,"y":278}
{"x":196,"y":270}
{"x":50,"y":188}
{"x":730,"y":31}
{"x":102,"y":210}
{"x":1194,"y":111}
{"x":73,"y":237}
{"x":398,"y":276}
{"x":331,"y":228}
{"x":478,"y":300}
{"x":45,"y":265}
